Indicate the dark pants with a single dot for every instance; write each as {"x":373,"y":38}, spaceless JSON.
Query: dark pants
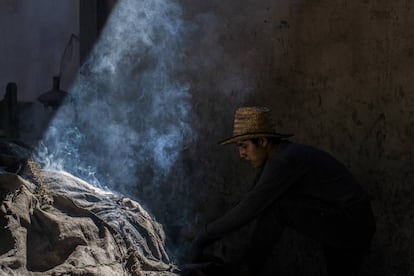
{"x":344,"y":232}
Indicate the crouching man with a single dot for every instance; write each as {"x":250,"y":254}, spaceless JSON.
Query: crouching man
{"x":299,"y":187}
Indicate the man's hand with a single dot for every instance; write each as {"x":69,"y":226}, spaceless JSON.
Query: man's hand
{"x":196,"y":237}
{"x":199,"y":239}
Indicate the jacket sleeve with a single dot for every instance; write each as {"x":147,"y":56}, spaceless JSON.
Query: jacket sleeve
{"x":277,"y":176}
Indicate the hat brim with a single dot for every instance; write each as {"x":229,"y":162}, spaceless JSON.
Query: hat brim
{"x":246,"y":136}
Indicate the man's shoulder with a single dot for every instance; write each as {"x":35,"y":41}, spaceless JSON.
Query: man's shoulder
{"x":289,"y":158}
{"x":287,"y":151}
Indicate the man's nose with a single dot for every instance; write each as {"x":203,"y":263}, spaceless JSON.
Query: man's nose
{"x":242,"y":153}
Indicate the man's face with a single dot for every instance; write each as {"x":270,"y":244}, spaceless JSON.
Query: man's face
{"x":256,"y":155}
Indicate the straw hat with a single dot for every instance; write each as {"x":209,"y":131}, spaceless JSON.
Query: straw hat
{"x":253,"y":122}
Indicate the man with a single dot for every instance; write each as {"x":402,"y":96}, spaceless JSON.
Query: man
{"x":299,"y":187}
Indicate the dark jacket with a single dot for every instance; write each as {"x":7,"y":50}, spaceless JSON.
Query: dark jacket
{"x":308,"y":190}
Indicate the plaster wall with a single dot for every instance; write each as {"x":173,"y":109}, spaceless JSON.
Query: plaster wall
{"x":336,"y":73}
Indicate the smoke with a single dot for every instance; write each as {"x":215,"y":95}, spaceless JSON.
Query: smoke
{"x":157,"y":92}
{"x":149,"y":104}
{"x":128,"y":115}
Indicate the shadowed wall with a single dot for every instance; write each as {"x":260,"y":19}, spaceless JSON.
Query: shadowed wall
{"x":339,"y":75}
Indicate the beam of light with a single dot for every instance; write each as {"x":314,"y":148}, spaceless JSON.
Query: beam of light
{"x":128,"y":110}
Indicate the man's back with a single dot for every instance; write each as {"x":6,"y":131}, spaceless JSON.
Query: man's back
{"x":322,"y":177}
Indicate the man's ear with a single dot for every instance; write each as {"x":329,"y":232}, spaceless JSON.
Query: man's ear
{"x":263,"y":141}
